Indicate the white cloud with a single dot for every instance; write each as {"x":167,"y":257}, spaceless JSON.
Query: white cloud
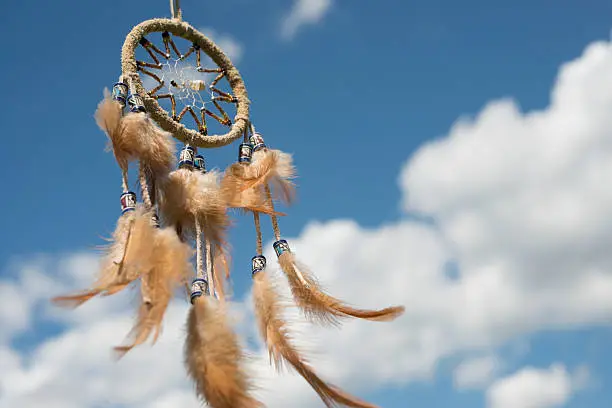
{"x":232,"y":47}
{"x":303,"y":12}
{"x":535,"y":388}
{"x":521,"y":204}
{"x":476,"y":372}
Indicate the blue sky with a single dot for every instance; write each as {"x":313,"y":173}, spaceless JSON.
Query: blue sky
{"x":366,"y":96}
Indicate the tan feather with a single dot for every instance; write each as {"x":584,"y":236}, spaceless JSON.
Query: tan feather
{"x":141,"y":138}
{"x":189,"y":194}
{"x":221,"y":271}
{"x":167,"y":269}
{"x":275,"y":332}
{"x":318,"y":305}
{"x":121,"y":264}
{"x":108,"y":117}
{"x":249,"y":199}
{"x":273,"y":167}
{"x":160,"y":155}
{"x":214,"y":359}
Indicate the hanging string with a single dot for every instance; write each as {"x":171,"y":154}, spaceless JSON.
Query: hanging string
{"x":124,"y":180}
{"x":258,"y":233}
{"x":199,"y":259}
{"x":144,"y":186}
{"x":209,"y":268}
{"x":275,"y":226}
{"x":246,"y":132}
{"x":175,"y":9}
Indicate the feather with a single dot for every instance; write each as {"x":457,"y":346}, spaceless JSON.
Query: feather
{"x":189,"y":194}
{"x":269,"y":166}
{"x":275,"y":332}
{"x":167,"y":269}
{"x":319,"y":306}
{"x":214,"y":359}
{"x":122,"y":263}
{"x":237,"y":196}
{"x":108,"y":117}
{"x":141,"y":138}
{"x":160,"y":156}
{"x":221,"y":271}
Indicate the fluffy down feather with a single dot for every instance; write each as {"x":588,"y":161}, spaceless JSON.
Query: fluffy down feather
{"x":249,"y":199}
{"x":108,"y":117}
{"x":144,"y":140}
{"x":187,"y":195}
{"x":268,"y":166}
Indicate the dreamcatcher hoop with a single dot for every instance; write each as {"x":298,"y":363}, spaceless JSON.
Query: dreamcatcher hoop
{"x":184,"y":30}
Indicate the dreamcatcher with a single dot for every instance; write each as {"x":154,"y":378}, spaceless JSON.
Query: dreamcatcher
{"x":183,"y":87}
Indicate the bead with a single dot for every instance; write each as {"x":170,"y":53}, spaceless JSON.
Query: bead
{"x":197,"y":85}
{"x":128,"y":202}
{"x":257,"y":141}
{"x":199,"y":163}
{"x":258,"y":263}
{"x":280,"y":247}
{"x":187,"y":157}
{"x":136,"y":103}
{"x":120,"y":93}
{"x":199,"y":287}
{"x":244,"y":153}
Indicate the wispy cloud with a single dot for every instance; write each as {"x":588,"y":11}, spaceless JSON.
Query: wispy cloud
{"x":303,"y":12}
{"x":232,"y":47}
{"x":476,"y":373}
{"x":537,"y":387}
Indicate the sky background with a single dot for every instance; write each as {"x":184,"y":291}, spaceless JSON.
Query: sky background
{"x":454,"y":157}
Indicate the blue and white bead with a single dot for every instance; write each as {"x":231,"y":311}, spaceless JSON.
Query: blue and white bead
{"x":187,"y":157}
{"x":245,"y":151}
{"x":281,"y":246}
{"x":257,"y":142}
{"x":258,"y":264}
{"x":199,"y":163}
{"x":136,"y":103}
{"x":199,"y":287}
{"x":128,"y":202}
{"x":120,"y":93}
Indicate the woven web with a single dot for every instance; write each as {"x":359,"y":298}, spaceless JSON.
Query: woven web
{"x":189,"y":85}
